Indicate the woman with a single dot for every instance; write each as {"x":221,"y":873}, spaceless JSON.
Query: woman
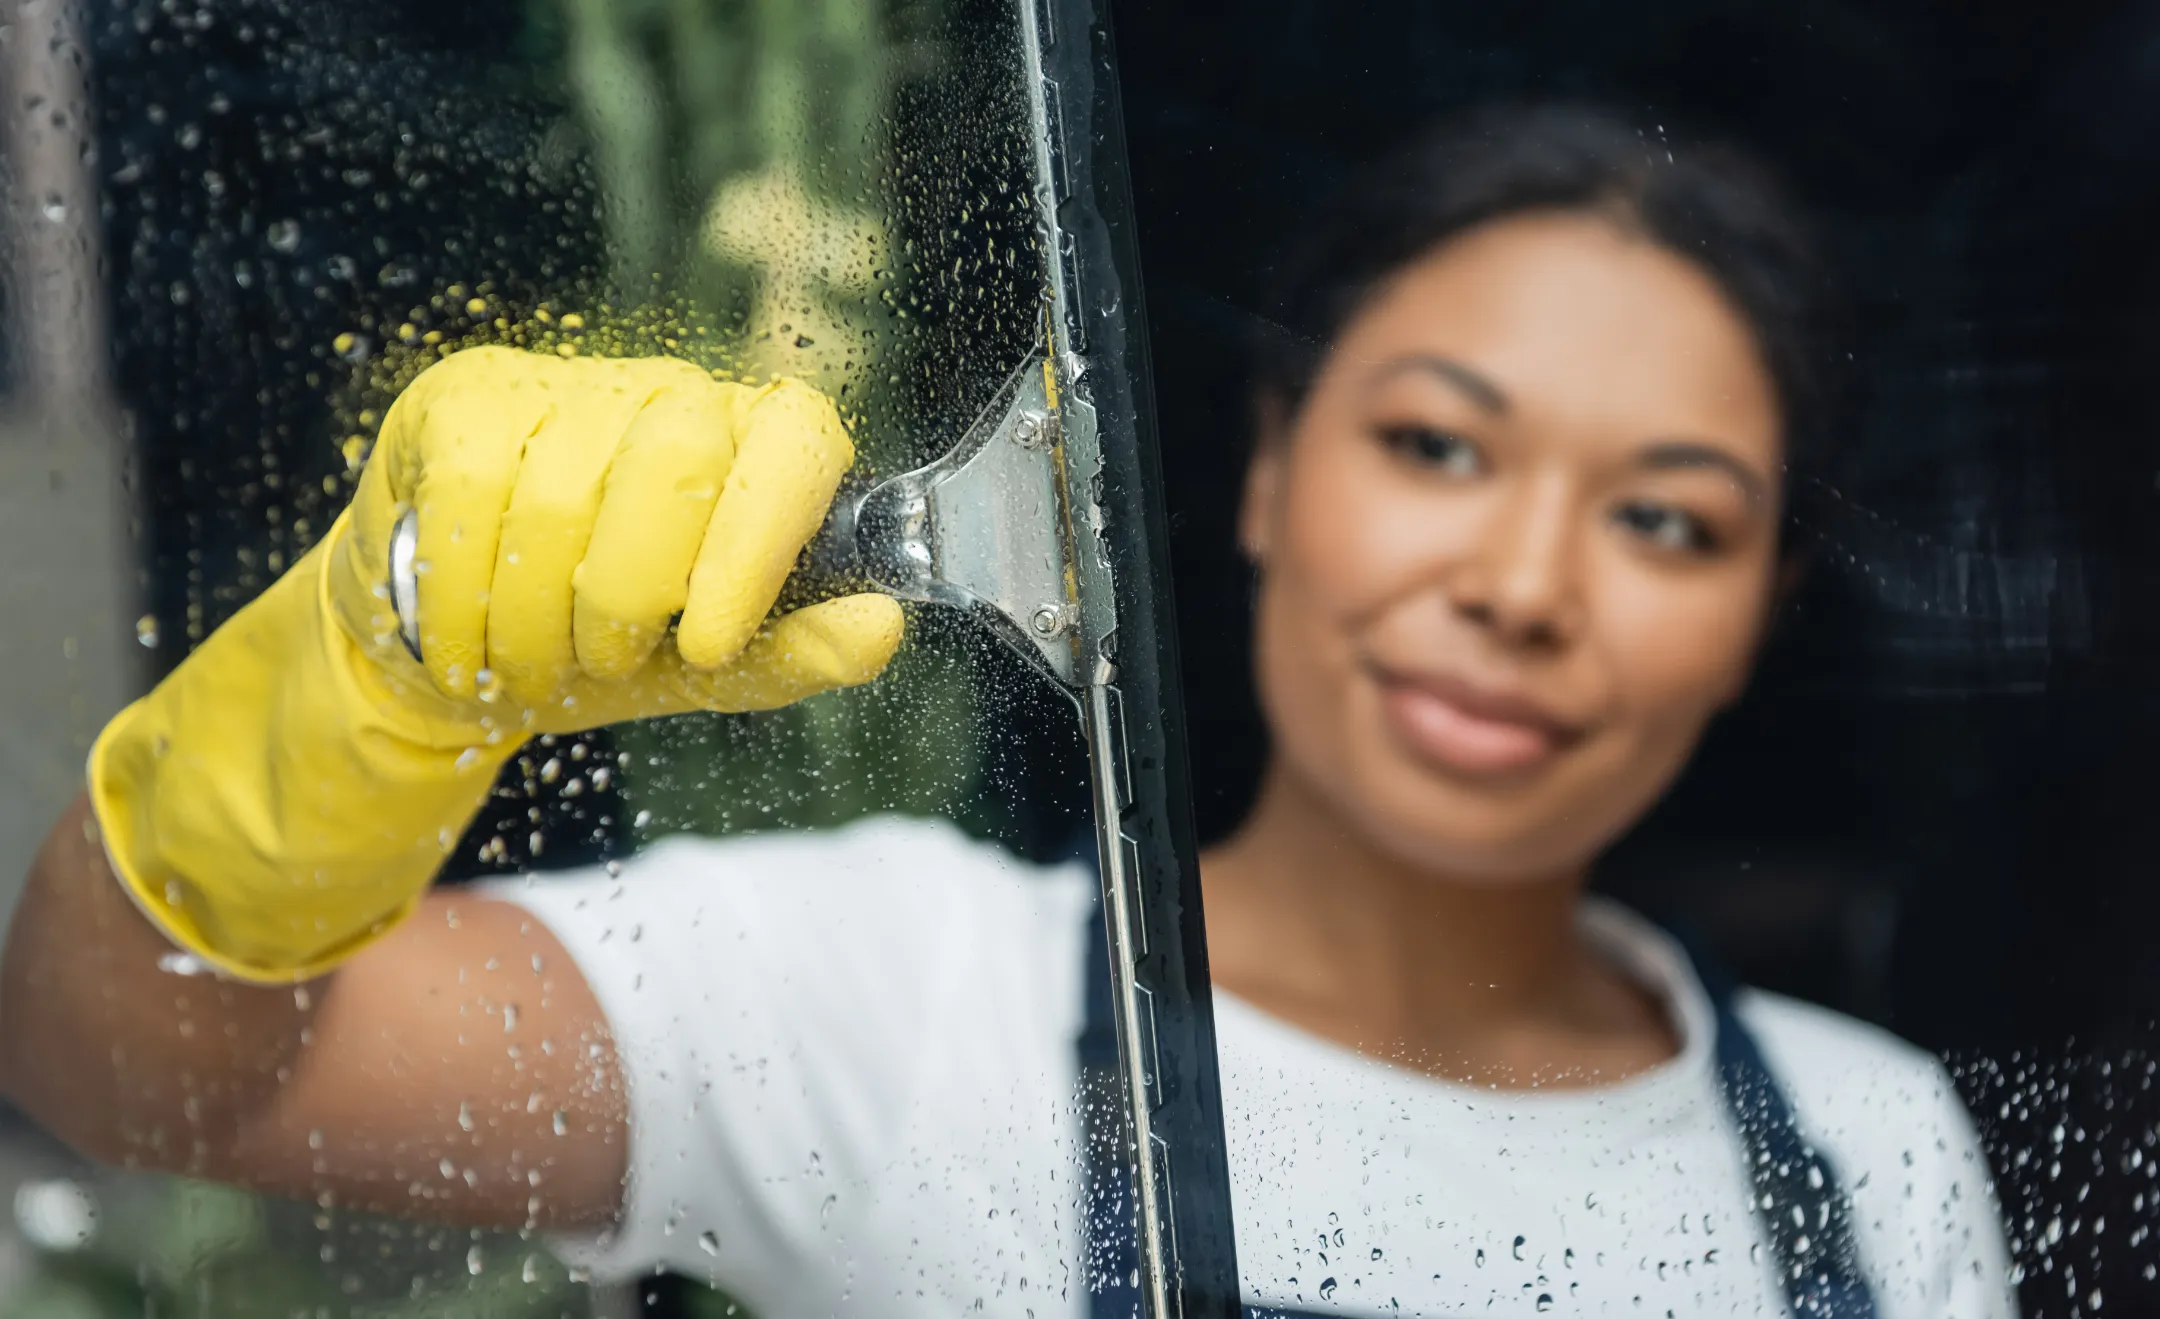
{"x":1515,"y":515}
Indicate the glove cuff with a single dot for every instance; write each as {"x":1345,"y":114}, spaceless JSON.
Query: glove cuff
{"x":279,"y":802}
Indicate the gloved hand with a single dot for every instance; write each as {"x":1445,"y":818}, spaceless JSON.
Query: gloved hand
{"x":288,"y":793}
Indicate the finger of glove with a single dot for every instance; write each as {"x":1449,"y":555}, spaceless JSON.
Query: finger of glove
{"x":549,"y":523}
{"x":836,"y":643}
{"x":790,"y":454}
{"x":661,"y":488}
{"x":456,"y":443}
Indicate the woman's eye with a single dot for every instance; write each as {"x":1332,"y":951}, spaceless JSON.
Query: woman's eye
{"x":1439,"y":449}
{"x":1666,"y":527}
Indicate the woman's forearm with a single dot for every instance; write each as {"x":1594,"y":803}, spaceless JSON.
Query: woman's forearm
{"x":360,"y":1084}
{"x":109,"y":1046}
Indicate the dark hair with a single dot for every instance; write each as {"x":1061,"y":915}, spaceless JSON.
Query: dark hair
{"x":1707,"y":204}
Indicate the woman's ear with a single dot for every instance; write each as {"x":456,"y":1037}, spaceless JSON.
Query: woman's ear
{"x":1263,"y":479}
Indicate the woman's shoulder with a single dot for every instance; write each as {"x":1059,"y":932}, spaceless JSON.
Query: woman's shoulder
{"x":1901,"y":1143}
{"x":1886,"y":1109}
{"x":1852,"y":1082}
{"x":1888,"y":1115}
{"x":1809,"y":1048}
{"x":1801,"y":1038}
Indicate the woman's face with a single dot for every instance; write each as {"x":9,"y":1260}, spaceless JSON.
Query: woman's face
{"x":1518,"y":547}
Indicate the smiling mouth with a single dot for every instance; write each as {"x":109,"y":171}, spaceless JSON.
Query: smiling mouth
{"x":1465,"y":729}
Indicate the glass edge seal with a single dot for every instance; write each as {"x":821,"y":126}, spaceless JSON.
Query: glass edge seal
{"x":1129,"y":697}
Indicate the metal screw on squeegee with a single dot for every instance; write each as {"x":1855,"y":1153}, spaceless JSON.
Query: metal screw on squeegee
{"x":1034,"y":430}
{"x":1051,"y":621}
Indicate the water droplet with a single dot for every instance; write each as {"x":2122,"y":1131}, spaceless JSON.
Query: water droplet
{"x":709,"y":1242}
{"x":146,"y":631}
{"x":1327,"y":1289}
{"x":284,"y":235}
{"x":1544,"y":1302}
{"x":474,"y":1263}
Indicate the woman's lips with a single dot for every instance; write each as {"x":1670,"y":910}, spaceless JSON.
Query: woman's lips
{"x":1462,"y":728}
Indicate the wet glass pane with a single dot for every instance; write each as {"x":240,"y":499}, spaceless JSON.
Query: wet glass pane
{"x":771,"y":1011}
{"x":1453,"y":676}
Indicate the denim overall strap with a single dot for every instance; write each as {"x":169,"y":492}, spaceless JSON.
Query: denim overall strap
{"x":1804,"y":1214}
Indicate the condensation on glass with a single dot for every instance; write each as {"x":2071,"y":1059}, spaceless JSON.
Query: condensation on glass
{"x":291,"y":208}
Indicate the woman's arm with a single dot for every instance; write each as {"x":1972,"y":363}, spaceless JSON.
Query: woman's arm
{"x":280,"y":803}
{"x":457,"y":1069}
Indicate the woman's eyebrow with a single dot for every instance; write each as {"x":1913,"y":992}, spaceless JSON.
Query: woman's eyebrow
{"x":1666,"y":455}
{"x":1479,"y":388}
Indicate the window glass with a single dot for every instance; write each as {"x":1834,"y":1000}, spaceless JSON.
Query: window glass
{"x":848,"y":953}
{"x":1921,"y":822}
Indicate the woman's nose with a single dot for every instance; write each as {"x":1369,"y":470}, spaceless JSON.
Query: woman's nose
{"x":1519,"y":578}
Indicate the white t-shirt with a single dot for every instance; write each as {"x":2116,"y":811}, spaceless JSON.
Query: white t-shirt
{"x":850,"y":1059}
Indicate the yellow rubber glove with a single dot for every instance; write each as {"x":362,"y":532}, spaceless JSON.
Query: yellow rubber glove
{"x":288,"y":793}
